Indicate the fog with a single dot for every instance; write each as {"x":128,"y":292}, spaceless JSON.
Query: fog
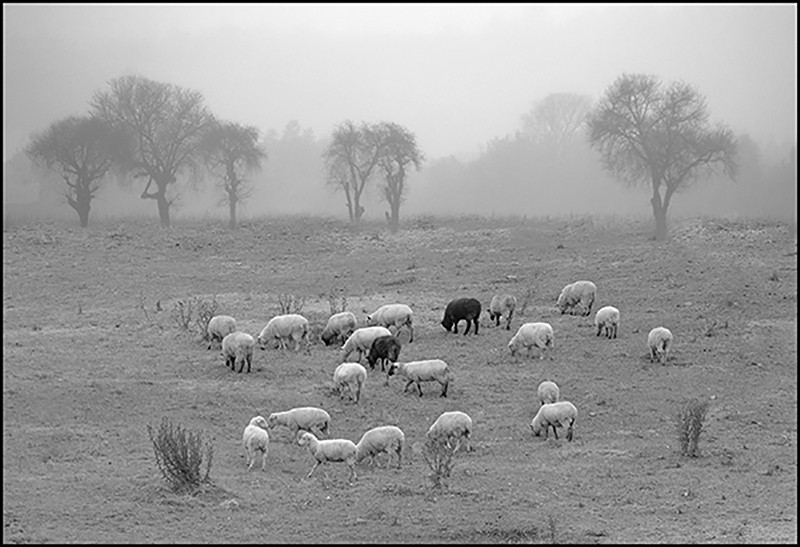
{"x":459,"y":76}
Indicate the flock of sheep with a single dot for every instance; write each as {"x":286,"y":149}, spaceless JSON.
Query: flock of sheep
{"x":382,"y":347}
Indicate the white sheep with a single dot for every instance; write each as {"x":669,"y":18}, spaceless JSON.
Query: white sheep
{"x":361,"y":340}
{"x":238,"y":347}
{"x":393,"y":315}
{"x":548,"y":392}
{"x":306,"y":418}
{"x":219,"y":327}
{"x":283,"y":328}
{"x":560,"y":414}
{"x":339,"y":327}
{"x":502,"y":305}
{"x":256,"y":439}
{"x":538,"y":335}
{"x":578,"y":293}
{"x":349,"y":375}
{"x":659,"y":341}
{"x":607,"y":318}
{"x":382,"y":439}
{"x":429,"y":370}
{"x":330,"y":450}
{"x":452,"y":427}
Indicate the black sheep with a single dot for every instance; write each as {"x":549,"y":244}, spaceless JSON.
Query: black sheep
{"x":468,"y":309}
{"x":384,"y":349}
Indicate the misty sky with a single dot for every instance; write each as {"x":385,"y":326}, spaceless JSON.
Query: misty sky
{"x":457,"y":75}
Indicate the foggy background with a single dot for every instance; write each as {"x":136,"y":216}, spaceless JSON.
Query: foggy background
{"x":459,"y":76}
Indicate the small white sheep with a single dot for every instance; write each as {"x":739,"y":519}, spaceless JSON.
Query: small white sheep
{"x":451,"y":427}
{"x":579,"y":293}
{"x":382,"y":439}
{"x":659,"y":341}
{"x":349,"y":375}
{"x":256,"y":439}
{"x":219,"y":327}
{"x":393,"y":315}
{"x":538,"y":335}
{"x":238,"y":347}
{"x":283,"y":328}
{"x":339,"y":327}
{"x":548,"y":392}
{"x":607,"y":318}
{"x":361,"y":340}
{"x":560,"y":414}
{"x":429,"y":370}
{"x":330,"y":450}
{"x":502,"y":305}
{"x":306,"y":418}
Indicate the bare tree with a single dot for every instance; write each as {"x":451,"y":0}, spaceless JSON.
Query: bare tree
{"x":231,"y":151}
{"x":167,"y":123}
{"x":557,"y":118}
{"x":648,"y":133}
{"x":81,"y":150}
{"x":350,"y":159}
{"x":400,"y":151}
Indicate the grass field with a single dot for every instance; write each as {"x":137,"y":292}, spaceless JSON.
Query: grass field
{"x":89,"y":361}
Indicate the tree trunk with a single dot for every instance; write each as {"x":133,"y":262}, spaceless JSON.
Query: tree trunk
{"x":83,"y":214}
{"x":232,"y":208}
{"x":163,"y":209}
{"x":660,"y":215}
{"x":394,"y":218}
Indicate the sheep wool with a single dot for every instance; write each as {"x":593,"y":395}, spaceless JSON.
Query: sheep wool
{"x":502,"y":305}
{"x":659,"y":342}
{"x":361,"y":340}
{"x":256,"y":439}
{"x":382,"y":439}
{"x":560,"y":414}
{"x":283,"y":328}
{"x":548,"y":392}
{"x":530,"y":335}
{"x":352,"y":376}
{"x":339,"y":327}
{"x":330,"y":450}
{"x":607,"y":318}
{"x":393,"y":315}
{"x":452,"y":427}
{"x":577,"y":295}
{"x":430,"y":370}
{"x":306,"y":418}
{"x":219,"y":327}
{"x":238,"y":347}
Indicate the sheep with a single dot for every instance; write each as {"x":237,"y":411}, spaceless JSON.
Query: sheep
{"x":393,"y":315}
{"x":468,"y":309}
{"x":330,"y":450}
{"x":237,"y":347}
{"x":256,"y":439}
{"x":305,"y":418}
{"x":284,"y":327}
{"x":385,"y":349}
{"x":579,"y":292}
{"x":349,"y":374}
{"x":386,"y":439}
{"x":539,"y":335}
{"x":339,"y":327}
{"x":548,"y":392}
{"x":361,"y":340}
{"x":659,"y":341}
{"x":219,"y":327}
{"x":607,"y":318}
{"x":430,"y":370}
{"x":452,"y":426}
{"x":502,"y":305}
{"x":560,"y":414}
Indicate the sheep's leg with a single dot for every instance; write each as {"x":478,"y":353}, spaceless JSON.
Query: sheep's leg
{"x":312,"y":469}
{"x":408,"y":384}
{"x":555,"y":431}
{"x":444,"y":389}
{"x":352,"y":472}
{"x":476,"y":325}
{"x":250,"y":458}
{"x":569,"y":432}
{"x":419,"y":388}
{"x":469,"y":324}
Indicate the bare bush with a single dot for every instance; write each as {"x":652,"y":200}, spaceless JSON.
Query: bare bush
{"x":337,"y":303}
{"x":206,"y":309}
{"x":526,"y":300}
{"x":181,"y":455}
{"x":289,"y":303}
{"x":691,"y":416}
{"x":194,"y":310}
{"x":181,"y":313}
{"x":439,"y":454}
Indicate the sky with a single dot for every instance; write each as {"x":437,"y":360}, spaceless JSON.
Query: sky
{"x":456,"y":75}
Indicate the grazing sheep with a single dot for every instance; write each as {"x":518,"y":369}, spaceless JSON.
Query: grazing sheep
{"x":502,"y":305}
{"x":548,"y":392}
{"x":430,"y":370}
{"x":339,"y":327}
{"x":560,"y":414}
{"x":452,"y":426}
{"x":256,"y":439}
{"x":283,"y":328}
{"x":361,"y":340}
{"x":237,"y":347}
{"x":468,"y":309}
{"x":219,"y":327}
{"x":347,"y":375}
{"x":382,"y":439}
{"x":607,"y":318}
{"x":579,"y":293}
{"x":393,"y":315}
{"x":306,"y":418}
{"x":659,"y":341}
{"x":330,"y":450}
{"x":539,"y":335}
{"x":385,"y":349}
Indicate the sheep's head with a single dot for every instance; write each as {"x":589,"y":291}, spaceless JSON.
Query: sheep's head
{"x":271,"y":420}
{"x":536,"y":429}
{"x":260,"y":422}
{"x":305,"y":438}
{"x":327,"y":337}
{"x":392,"y":369}
{"x":447,"y":323}
{"x":512,"y":345}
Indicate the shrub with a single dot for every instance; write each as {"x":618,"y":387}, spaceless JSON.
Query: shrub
{"x":206,"y":309}
{"x":438,"y":454}
{"x":180,"y":455}
{"x":289,"y":303}
{"x":691,"y":416}
{"x":194,"y":310}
